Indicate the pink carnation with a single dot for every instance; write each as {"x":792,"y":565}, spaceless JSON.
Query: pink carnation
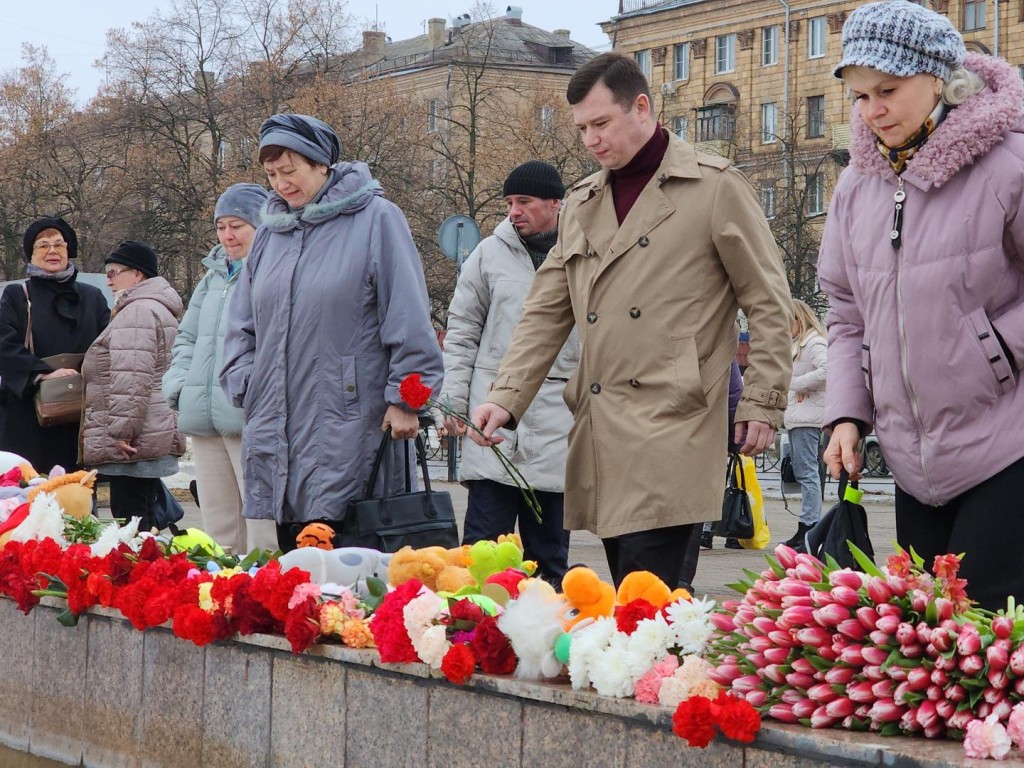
{"x":987,"y":738}
{"x":1015,"y":725}
{"x":302,"y":593}
{"x":648,"y":686}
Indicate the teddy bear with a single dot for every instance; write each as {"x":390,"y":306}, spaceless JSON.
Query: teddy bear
{"x":439,"y":569}
{"x":347,"y":567}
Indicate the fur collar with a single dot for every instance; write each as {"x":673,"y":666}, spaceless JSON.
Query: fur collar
{"x":968,"y":132}
{"x":352,"y":188}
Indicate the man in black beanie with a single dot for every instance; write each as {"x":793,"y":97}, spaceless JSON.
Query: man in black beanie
{"x":488,"y":300}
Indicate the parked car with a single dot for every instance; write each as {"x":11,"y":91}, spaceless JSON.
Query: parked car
{"x":873,"y":460}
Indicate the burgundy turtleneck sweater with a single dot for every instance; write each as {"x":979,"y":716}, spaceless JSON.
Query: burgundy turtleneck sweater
{"x":629,"y":181}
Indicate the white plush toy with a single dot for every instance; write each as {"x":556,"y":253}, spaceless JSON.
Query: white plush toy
{"x":347,"y":567}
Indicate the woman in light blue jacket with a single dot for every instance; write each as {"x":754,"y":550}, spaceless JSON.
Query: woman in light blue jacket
{"x":191,"y":387}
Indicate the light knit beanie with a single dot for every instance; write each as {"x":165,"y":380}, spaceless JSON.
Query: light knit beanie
{"x":901,"y":38}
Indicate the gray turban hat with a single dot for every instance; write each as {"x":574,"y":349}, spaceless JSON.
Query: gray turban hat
{"x":313,"y":139}
{"x":901,"y":38}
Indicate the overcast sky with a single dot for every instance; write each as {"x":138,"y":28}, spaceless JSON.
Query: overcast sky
{"x":74,"y":31}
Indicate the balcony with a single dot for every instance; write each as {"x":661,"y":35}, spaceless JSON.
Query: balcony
{"x":720,"y":147}
{"x":632,"y":6}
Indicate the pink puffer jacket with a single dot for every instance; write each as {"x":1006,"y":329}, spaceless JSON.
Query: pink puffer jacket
{"x":913,"y":344}
{"x":123,"y":370}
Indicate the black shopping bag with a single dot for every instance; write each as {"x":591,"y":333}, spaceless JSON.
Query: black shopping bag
{"x":845,"y":522}
{"x":387,"y":523}
{"x":166,"y":510}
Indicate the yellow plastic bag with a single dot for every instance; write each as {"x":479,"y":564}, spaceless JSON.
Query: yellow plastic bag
{"x":762,"y":536}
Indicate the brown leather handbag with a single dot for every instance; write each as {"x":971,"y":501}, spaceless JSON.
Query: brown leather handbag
{"x":57,"y":401}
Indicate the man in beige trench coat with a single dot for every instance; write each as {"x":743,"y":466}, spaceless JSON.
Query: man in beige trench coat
{"x":655,"y":254}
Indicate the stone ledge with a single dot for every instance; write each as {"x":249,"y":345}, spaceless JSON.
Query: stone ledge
{"x":251,"y":698}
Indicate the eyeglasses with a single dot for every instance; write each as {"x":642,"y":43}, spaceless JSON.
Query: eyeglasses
{"x":112,"y":273}
{"x":47,"y":247}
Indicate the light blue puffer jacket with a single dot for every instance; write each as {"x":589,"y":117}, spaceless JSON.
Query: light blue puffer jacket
{"x":190,"y":384}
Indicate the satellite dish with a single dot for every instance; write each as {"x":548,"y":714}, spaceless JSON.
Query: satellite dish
{"x":457,"y":237}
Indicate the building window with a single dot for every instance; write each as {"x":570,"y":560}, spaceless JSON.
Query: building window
{"x":682,"y":62}
{"x":974,"y":15}
{"x":643,"y":60}
{"x":222,"y":154}
{"x":769,"y":123}
{"x":769,"y":45}
{"x":715,"y":123}
{"x":433,"y":114}
{"x":546,"y":118}
{"x":815,"y":194}
{"x":816,"y":37}
{"x":815,"y":117}
{"x":438,"y":167}
{"x":681,"y":127}
{"x":768,"y":199}
{"x":725,"y":54}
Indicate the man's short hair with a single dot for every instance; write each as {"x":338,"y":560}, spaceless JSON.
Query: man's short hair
{"x":620,"y":74}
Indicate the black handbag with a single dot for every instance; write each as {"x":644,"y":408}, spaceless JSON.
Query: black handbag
{"x":737,"y":517}
{"x":166,"y":509}
{"x":415,"y":518}
{"x":788,"y":475}
{"x":845,"y":522}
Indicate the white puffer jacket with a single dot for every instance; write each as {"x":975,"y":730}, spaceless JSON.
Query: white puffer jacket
{"x":809,"y":374}
{"x":483,"y":314}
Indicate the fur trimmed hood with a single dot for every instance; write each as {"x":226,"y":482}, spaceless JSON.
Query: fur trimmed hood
{"x":968,"y":132}
{"x":352,"y":188}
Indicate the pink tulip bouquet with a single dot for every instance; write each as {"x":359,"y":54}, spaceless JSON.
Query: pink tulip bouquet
{"x":895,"y":650}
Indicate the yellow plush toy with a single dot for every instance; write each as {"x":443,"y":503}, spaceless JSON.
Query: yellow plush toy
{"x":439,"y":569}
{"x":73,"y":492}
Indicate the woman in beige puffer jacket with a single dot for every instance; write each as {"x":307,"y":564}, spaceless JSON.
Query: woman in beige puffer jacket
{"x":129,"y":433}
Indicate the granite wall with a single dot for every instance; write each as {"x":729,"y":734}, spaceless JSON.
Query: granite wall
{"x":104,"y":695}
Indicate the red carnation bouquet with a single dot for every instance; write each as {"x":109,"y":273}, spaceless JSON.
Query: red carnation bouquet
{"x":416,"y":395}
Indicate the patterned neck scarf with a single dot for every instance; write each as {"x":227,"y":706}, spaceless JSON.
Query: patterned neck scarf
{"x":899,"y":156}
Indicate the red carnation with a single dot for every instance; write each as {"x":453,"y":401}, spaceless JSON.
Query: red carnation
{"x":693,"y":722}
{"x":301,"y":628}
{"x":628,"y":616}
{"x":388,"y":625}
{"x":736,"y":718}
{"x":492,"y":648}
{"x":458,"y":664}
{"x":414,"y":392}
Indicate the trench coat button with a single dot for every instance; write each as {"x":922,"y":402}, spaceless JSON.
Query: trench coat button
{"x":643,"y":242}
{"x":595,"y":388}
{"x":634,"y":383}
{"x":634,"y":312}
{"x":350,"y":387}
{"x":592,"y":318}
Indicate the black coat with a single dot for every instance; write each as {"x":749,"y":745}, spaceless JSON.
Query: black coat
{"x":66,"y":318}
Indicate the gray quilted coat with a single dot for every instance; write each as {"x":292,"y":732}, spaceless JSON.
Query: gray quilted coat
{"x":123,"y":370}
{"x":329,"y":314}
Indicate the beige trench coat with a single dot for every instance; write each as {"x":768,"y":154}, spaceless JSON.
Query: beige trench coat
{"x":655,"y":301}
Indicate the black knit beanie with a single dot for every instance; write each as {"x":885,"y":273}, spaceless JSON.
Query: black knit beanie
{"x":136,"y":255}
{"x":41,"y":225}
{"x":534,"y":179}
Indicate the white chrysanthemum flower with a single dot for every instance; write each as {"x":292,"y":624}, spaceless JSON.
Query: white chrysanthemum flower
{"x":45,"y":521}
{"x":691,"y":623}
{"x":648,"y":644}
{"x":672,"y":691}
{"x":107,"y":541}
{"x":611,"y":675}
{"x":420,"y":612}
{"x":586,"y":648}
{"x":432,"y":645}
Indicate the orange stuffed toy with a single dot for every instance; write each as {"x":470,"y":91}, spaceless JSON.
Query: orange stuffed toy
{"x":644,"y":585}
{"x":587,"y":595}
